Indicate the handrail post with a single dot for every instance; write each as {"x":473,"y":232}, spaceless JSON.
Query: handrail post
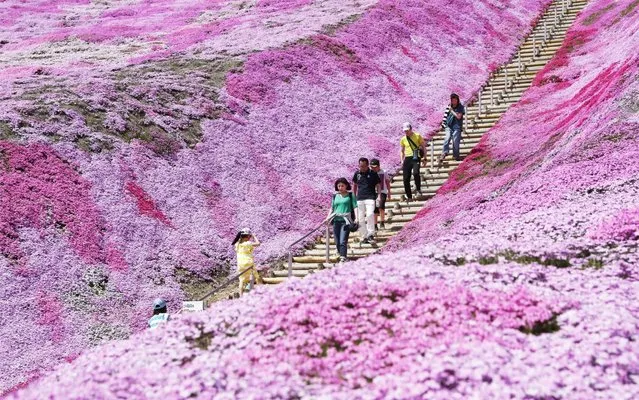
{"x":432,"y":154}
{"x":328,"y":243}
{"x":290,"y":262}
{"x":492,"y":100}
{"x":519,"y":66}
{"x":505,"y":79}
{"x":545,"y":31}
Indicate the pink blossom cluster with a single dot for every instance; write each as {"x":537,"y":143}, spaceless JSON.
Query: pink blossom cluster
{"x":52,"y":33}
{"x":168,"y":125}
{"x":395,"y":326}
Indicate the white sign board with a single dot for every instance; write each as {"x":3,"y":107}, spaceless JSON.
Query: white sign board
{"x":192,"y":306}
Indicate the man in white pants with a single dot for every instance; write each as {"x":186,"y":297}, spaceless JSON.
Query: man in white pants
{"x":365,"y":187}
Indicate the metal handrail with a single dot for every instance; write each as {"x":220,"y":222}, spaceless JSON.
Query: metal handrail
{"x":290,"y":247}
{"x":228,"y":282}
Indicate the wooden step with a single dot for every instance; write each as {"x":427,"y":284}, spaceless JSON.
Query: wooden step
{"x":465,"y":147}
{"x":354,"y":240}
{"x":353,"y":251}
{"x":429,"y":173}
{"x":322,"y":259}
{"x":425,"y":189}
{"x":379,"y":245}
{"x":406,"y":209}
{"x":274,"y":281}
{"x":427,"y":181}
{"x":299,"y":273}
{"x":304,"y":266}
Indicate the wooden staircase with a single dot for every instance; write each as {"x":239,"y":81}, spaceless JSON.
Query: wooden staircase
{"x":503,"y":89}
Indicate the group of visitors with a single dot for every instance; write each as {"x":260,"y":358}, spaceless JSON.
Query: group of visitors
{"x":360,"y":206}
{"x":357,"y":210}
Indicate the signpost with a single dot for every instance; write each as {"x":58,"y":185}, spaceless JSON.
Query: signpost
{"x":192,"y":306}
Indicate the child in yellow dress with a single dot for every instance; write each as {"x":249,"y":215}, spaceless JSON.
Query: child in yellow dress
{"x":245,"y":242}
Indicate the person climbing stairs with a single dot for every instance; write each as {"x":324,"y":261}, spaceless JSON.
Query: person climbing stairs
{"x":504,"y":88}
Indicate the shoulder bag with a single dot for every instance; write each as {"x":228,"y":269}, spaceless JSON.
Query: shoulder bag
{"x":417,"y":150}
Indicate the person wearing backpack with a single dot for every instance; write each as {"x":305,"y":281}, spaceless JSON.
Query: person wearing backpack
{"x":343,"y":208}
{"x":412,"y":152}
{"x":383,"y":195}
{"x":453,"y":125}
{"x":365,"y":187}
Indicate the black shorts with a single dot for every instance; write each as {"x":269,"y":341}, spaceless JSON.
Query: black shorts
{"x":382,"y":203}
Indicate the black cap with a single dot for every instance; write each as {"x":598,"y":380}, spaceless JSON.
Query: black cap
{"x":375,"y":162}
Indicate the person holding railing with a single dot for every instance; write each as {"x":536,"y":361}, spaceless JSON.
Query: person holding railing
{"x":412,"y":152}
{"x":342,"y":212}
{"x":453,"y":126}
{"x":245,"y":243}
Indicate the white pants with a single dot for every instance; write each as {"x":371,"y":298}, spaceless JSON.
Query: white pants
{"x":366,"y":217}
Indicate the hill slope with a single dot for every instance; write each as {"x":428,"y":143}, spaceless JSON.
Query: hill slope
{"x":138,"y":136}
{"x":519,"y":281}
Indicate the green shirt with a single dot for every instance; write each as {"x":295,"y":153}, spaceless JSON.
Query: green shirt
{"x":343,"y":205}
{"x":157,"y":320}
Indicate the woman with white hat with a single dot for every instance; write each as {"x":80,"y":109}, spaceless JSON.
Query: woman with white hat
{"x":245,"y":243}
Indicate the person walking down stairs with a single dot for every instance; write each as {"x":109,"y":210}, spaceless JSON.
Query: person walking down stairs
{"x":383,"y":195}
{"x":245,"y":243}
{"x":454,"y":125}
{"x":160,"y":315}
{"x":366,"y":186}
{"x":343,"y":208}
{"x":412,"y":152}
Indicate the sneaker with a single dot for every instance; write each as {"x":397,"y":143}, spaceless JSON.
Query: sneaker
{"x":342,"y":260}
{"x":418,"y":193}
{"x":365,"y":241}
{"x":440,"y":159}
{"x":371,"y":240}
{"x":382,"y":226}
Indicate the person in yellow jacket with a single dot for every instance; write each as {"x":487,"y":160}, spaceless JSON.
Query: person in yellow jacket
{"x":245,"y":243}
{"x":412,"y":151}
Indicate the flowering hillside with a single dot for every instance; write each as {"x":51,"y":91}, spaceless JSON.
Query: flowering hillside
{"x":557,"y":177}
{"x":520,"y":279}
{"x":136,"y":137}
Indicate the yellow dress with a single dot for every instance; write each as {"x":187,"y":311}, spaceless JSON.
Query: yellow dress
{"x":244,"y":251}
